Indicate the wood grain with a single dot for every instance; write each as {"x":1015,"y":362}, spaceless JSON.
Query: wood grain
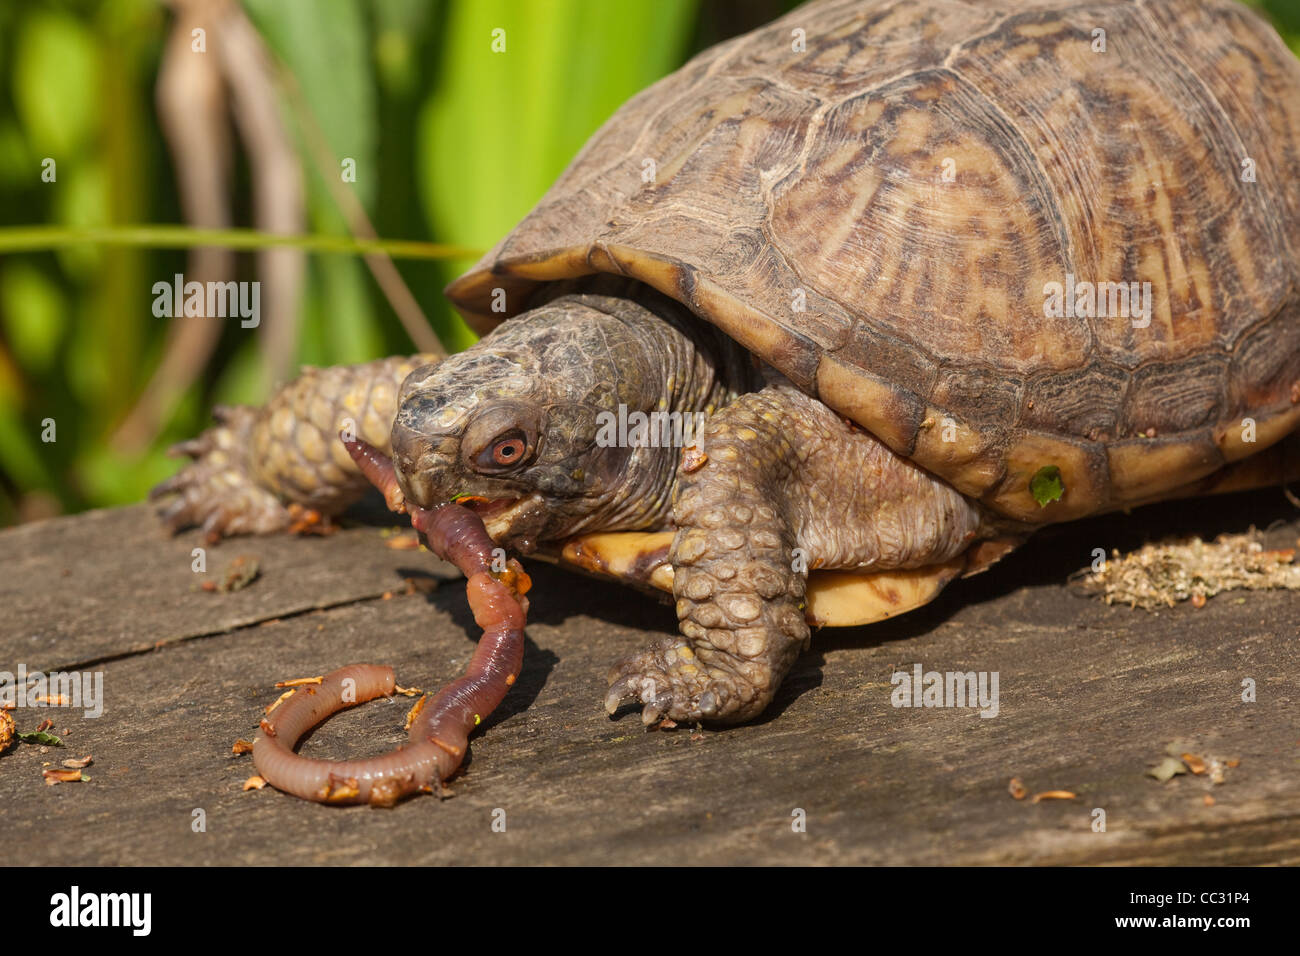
{"x":1090,"y":695}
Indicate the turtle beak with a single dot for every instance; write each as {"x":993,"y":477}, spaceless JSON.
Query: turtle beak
{"x":425,"y":465}
{"x":430,"y":473}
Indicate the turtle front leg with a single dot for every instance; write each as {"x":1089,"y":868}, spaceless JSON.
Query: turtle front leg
{"x":777,"y":484}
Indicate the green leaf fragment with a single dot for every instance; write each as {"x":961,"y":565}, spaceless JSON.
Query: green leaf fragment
{"x":42,"y":737}
{"x":1046,"y":485}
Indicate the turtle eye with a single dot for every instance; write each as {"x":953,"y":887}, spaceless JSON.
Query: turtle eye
{"x":501,"y":438}
{"x":505,"y":451}
{"x":509,"y":451}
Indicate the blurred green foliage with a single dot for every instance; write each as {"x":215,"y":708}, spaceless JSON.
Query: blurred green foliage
{"x":452,"y":142}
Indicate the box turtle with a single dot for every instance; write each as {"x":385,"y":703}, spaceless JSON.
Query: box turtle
{"x":869,"y":294}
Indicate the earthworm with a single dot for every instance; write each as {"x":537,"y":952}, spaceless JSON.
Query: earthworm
{"x":378,"y":468}
{"x":439,"y":732}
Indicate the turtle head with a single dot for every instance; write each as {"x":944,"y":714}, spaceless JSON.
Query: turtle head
{"x":516,"y":427}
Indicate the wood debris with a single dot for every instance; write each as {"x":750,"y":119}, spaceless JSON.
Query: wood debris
{"x":239,"y":574}
{"x":1179,"y":760}
{"x":1053,"y":795}
{"x":404,"y":542}
{"x":54,"y":776}
{"x":1165,"y":573}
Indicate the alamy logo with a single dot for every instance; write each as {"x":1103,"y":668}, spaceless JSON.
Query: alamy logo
{"x":951,"y":689}
{"x":103,"y":909}
{"x":1098,"y":300}
{"x":56,"y":689}
{"x":214,"y":300}
{"x":647,"y":430}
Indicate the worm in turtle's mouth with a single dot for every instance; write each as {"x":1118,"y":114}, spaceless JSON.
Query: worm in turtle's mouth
{"x":495,"y":512}
{"x":514,"y":521}
{"x":484,"y":507}
{"x":507,"y":518}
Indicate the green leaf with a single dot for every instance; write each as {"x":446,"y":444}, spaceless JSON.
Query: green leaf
{"x":82,"y":200}
{"x":499,"y":127}
{"x":399,"y":24}
{"x":241,"y":381}
{"x":1046,"y":485}
{"x":33,"y":314}
{"x":55,"y":82}
{"x":16,"y":161}
{"x":42,"y":737}
{"x":106,"y":475}
{"x":325,"y":44}
{"x":351,"y":333}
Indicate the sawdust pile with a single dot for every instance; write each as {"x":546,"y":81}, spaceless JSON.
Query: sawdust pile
{"x":1162,"y":574}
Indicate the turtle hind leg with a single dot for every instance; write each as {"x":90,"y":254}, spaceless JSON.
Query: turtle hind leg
{"x":776,"y":485}
{"x":216,"y":490}
{"x":281,"y":466}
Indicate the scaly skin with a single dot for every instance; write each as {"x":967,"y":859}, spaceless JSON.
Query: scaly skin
{"x":772,"y":472}
{"x":550,"y":375}
{"x":255,"y":461}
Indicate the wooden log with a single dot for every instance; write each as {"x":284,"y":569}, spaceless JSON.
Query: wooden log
{"x":1089,"y":696}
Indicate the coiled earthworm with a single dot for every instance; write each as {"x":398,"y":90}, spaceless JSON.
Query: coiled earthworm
{"x":439,"y":732}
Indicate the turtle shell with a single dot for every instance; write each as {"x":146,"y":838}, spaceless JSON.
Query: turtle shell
{"x":880,"y":198}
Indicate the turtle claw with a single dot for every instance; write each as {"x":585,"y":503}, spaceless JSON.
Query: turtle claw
{"x":633,"y":687}
{"x":654,"y":711}
{"x":167,"y":487}
{"x":618,"y":692}
{"x":174,"y":514}
{"x":222,"y":501}
{"x":215,"y":490}
{"x":670,"y":681}
{"x":192,"y":448}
